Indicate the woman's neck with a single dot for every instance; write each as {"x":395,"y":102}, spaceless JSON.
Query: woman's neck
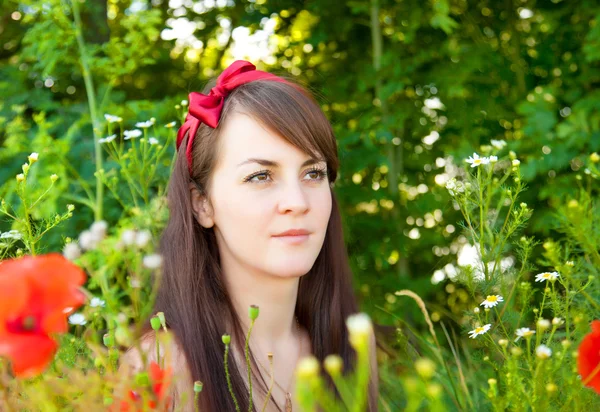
{"x":276,"y":299}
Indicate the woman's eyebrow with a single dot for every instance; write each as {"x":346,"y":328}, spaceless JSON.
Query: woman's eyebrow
{"x":271,"y":163}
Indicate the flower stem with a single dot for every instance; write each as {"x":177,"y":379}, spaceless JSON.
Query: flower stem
{"x":249,"y":366}
{"x":226,"y":363}
{"x":91,"y":95}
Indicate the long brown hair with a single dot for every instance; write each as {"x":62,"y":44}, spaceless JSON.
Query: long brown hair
{"x":192,"y":291}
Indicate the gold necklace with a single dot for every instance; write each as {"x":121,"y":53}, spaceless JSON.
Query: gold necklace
{"x":288,"y":395}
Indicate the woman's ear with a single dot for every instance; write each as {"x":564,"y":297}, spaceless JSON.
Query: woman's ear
{"x":201,"y":205}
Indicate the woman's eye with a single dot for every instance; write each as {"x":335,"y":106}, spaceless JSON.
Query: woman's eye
{"x":317,"y":174}
{"x":258,"y":177}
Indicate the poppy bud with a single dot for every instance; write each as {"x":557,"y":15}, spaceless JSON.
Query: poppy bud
{"x":253,"y":312}
{"x":155,"y":322}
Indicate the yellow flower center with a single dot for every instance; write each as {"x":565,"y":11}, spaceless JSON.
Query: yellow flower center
{"x":546,"y":275}
{"x":479,"y":329}
{"x":477,"y":161}
{"x":492,"y":298}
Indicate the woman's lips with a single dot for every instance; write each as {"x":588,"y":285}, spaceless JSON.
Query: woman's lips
{"x":293,"y":239}
{"x":294,"y":236}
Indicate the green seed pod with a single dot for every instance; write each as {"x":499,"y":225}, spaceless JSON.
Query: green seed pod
{"x":253,"y":312}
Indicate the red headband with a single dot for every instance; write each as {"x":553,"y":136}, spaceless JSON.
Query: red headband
{"x":207,"y":108}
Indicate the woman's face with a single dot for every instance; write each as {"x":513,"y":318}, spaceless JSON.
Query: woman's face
{"x":261,"y":187}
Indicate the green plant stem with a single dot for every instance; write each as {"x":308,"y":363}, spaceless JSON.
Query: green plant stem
{"x":248,"y":365}
{"x":91,"y":95}
{"x":226,"y":364}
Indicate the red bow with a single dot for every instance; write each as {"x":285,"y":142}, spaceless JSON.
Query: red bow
{"x":207,"y":108}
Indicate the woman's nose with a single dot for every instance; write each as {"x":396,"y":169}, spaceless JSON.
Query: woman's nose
{"x":293,"y":199}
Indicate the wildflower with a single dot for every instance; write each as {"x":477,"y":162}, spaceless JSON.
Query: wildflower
{"x":595,"y":157}
{"x":131,"y":134}
{"x":551,"y":276}
{"x":516,"y":162}
{"x":142,"y":238}
{"x":20,"y":177}
{"x":153,"y":141}
{"x":70,"y":207}
{"x":36,"y":294}
{"x":425,"y":368}
{"x":543,"y":324}
{"x":491,"y":301}
{"x":33,"y":157}
{"x":588,"y":358}
{"x":523,"y":333}
{"x":475,"y":160}
{"x":53,"y":178}
{"x":145,"y":125}
{"x":543,"y":352}
{"x":308,"y":368}
{"x":11,"y":234}
{"x":170,"y":125}
{"x":493,"y":159}
{"x":88,"y":240}
{"x":479,"y":330}
{"x":557,"y":321}
{"x":107,"y":139}
{"x":112,"y":119}
{"x":503,"y":343}
{"x":128,"y":237}
{"x":184,"y":103}
{"x":77,"y":319}
{"x":153,"y":261}
{"x":498,"y":144}
{"x":476,"y":310}
{"x":98,"y":228}
{"x":97,"y":302}
{"x":359,"y":326}
{"x":71,"y":251}
{"x":333,"y":365}
{"x":455,"y":186}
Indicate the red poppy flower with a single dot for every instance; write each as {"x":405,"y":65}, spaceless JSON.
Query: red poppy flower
{"x":160,"y":381}
{"x":36,"y":295}
{"x":588,"y":360}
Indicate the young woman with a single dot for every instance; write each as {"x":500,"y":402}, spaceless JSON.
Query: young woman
{"x":254,"y":221}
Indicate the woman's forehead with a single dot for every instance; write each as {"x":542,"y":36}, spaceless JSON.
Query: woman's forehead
{"x":245,"y":138}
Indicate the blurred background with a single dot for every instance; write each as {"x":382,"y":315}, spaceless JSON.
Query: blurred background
{"x":412,"y":88}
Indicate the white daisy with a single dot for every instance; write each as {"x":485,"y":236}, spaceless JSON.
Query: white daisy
{"x":77,"y":319}
{"x":523,"y":333}
{"x":184,"y":103}
{"x":475,"y":160}
{"x":498,"y":144}
{"x":170,"y":125}
{"x":359,"y":325}
{"x":491,"y":301}
{"x":493,"y":159}
{"x":112,"y":119}
{"x":145,"y":125}
{"x":97,"y":302}
{"x":107,"y":139}
{"x":543,"y":352}
{"x":551,"y":276}
{"x":516,"y":162}
{"x":479,"y":330}
{"x":132,"y":134}
{"x":33,"y":157}
{"x":153,"y":141}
